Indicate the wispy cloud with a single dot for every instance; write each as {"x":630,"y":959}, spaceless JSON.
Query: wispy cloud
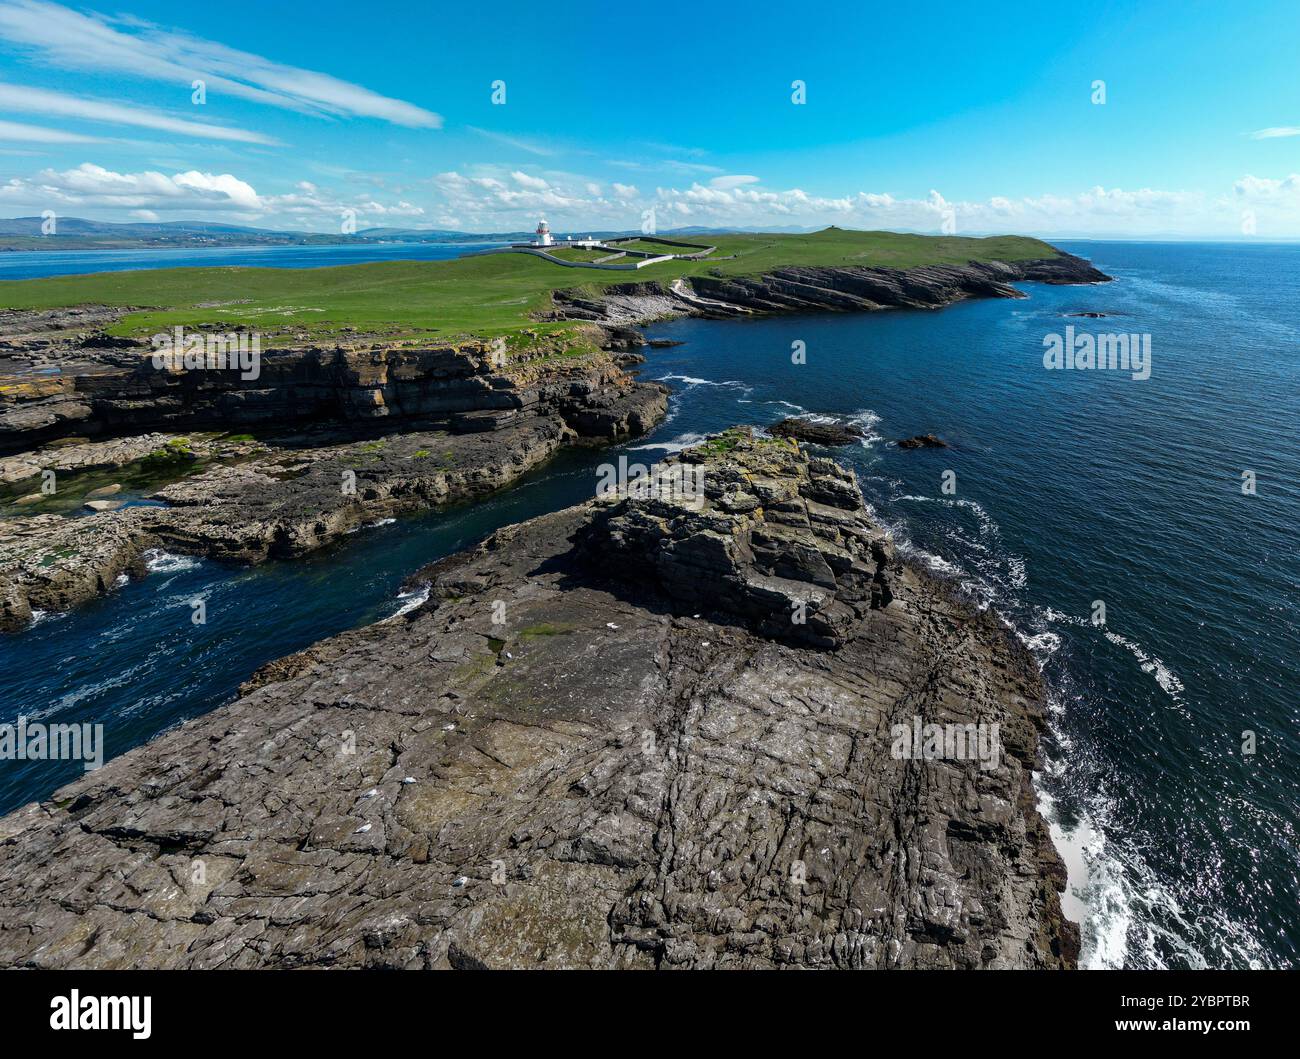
{"x":13,"y":130}
{"x":1275,"y":132}
{"x":670,"y":148}
{"x":63,"y":105}
{"x":672,"y":165}
{"x":517,"y":142}
{"x":70,"y":39}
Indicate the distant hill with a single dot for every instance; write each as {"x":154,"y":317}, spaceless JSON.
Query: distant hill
{"x":438,"y":235}
{"x":77,"y":233}
{"x":78,"y":226}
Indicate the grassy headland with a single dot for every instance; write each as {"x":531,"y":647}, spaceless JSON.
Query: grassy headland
{"x":482,"y":296}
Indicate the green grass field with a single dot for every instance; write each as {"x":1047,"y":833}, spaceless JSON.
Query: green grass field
{"x":573,"y":253}
{"x":650,"y":246}
{"x":481,"y":296}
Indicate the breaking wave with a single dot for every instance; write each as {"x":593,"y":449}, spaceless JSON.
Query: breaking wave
{"x":157,"y":561}
{"x":417,"y":597}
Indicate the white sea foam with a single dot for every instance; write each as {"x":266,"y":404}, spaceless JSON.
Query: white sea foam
{"x":1042,"y":644}
{"x":999,"y":574}
{"x":692,"y":380}
{"x":410,"y":600}
{"x":1128,"y":916}
{"x":866,"y":421}
{"x":677,"y":444}
{"x":1060,"y":616}
{"x":1169,"y":683}
{"x":1098,"y":895}
{"x":1095,"y":896}
{"x":1149,"y":663}
{"x":935,"y":563}
{"x":157,"y":561}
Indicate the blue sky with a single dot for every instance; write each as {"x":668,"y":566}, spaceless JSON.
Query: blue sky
{"x":983,"y":115}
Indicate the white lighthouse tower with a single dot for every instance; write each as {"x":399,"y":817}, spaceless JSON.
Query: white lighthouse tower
{"x":543,"y":234}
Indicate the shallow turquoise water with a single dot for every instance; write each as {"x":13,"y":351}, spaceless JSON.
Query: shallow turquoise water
{"x":1072,"y":487}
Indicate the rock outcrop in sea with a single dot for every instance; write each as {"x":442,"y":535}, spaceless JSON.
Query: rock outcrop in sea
{"x":670,"y":727}
{"x":923,"y":441}
{"x":816,"y":433}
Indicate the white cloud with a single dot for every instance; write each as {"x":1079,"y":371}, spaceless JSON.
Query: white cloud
{"x":1253,"y":189}
{"x":94,"y":190}
{"x":728,"y":182}
{"x":70,"y":39}
{"x":532,"y":182}
{"x":59,"y":104}
{"x":92,"y":185}
{"x":1276,"y":132}
{"x":487,"y":198}
{"x":13,"y":130}
{"x":493,"y":199}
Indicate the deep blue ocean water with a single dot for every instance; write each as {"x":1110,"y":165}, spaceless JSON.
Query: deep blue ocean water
{"x":1072,"y":487}
{"x":33,"y":264}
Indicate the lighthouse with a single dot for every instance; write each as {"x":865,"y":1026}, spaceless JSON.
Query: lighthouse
{"x":543,"y":234}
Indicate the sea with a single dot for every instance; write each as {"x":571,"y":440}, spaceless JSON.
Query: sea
{"x":35,"y":264}
{"x":1136,"y":534}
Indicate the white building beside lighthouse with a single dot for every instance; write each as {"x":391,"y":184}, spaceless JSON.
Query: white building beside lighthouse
{"x":543,"y":234}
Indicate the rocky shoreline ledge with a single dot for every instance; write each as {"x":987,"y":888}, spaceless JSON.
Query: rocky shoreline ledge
{"x":399,"y":429}
{"x":658,"y":729}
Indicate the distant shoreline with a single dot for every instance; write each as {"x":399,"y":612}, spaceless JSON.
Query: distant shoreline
{"x":137,"y":248}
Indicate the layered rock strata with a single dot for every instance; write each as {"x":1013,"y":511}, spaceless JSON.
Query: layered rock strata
{"x":849,"y":288}
{"x":434,"y":438}
{"x":558,"y":761}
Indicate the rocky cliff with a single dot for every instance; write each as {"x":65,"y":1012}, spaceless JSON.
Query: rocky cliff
{"x":606,"y":740}
{"x":56,"y":383}
{"x":343,"y":437}
{"x":854,"y":288}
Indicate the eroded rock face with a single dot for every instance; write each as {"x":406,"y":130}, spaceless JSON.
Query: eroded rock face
{"x":60,"y":385}
{"x":430,"y":437}
{"x":851,"y":288}
{"x":751,"y":528}
{"x":548,"y":765}
{"x":284,"y":500}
